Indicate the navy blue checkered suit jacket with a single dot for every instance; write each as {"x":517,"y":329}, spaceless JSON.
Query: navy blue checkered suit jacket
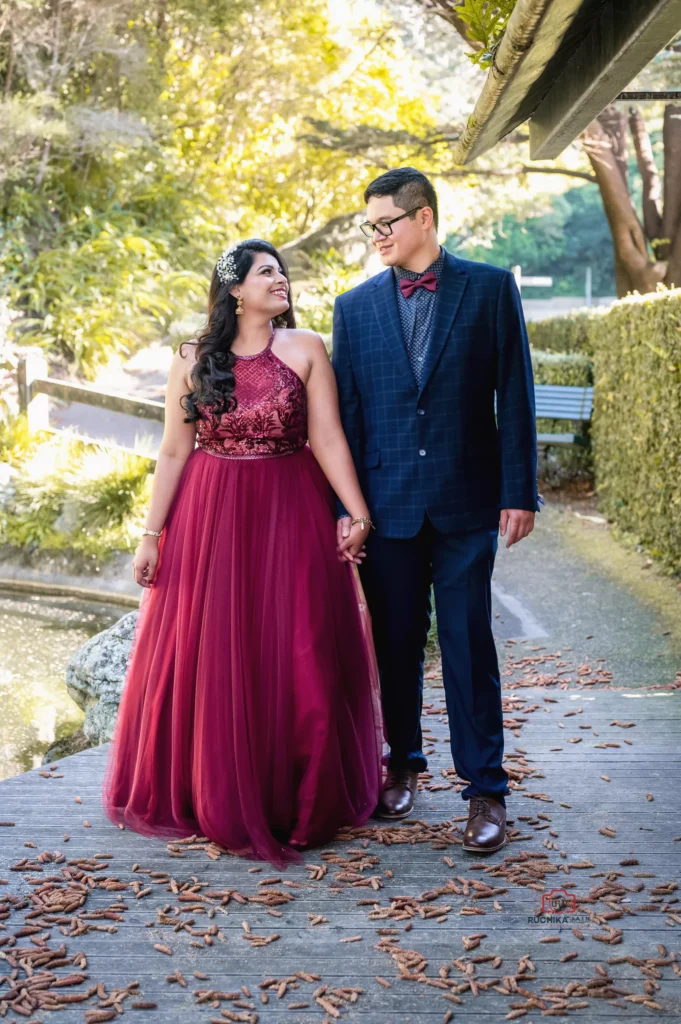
{"x":439,"y":448}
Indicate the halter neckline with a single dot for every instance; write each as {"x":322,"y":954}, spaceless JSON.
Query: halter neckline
{"x":262,"y":350}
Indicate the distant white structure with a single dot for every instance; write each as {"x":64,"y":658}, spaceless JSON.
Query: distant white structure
{"x":543,"y":309}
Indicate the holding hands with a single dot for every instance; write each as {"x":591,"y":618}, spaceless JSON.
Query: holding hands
{"x":351,"y":539}
{"x":515,"y":524}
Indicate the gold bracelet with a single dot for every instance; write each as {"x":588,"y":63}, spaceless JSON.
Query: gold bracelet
{"x":362,"y":520}
{"x":152,"y":533}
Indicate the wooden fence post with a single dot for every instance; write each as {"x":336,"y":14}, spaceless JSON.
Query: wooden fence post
{"x":31,"y":366}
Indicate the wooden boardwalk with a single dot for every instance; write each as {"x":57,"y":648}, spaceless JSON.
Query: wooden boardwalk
{"x":403,"y":911}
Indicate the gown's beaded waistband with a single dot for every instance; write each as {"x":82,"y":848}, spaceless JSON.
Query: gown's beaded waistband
{"x":260,"y":455}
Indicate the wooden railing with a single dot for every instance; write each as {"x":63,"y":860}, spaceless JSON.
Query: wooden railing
{"x":35,"y":386}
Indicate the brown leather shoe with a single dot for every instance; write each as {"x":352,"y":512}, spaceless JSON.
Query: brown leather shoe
{"x":397,"y":798}
{"x":486,"y":828}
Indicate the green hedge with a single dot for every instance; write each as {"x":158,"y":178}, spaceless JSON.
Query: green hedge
{"x":634,"y":349}
{"x":637,"y":420}
{"x":561,"y":368}
{"x":558,"y":464}
{"x":572,"y":333}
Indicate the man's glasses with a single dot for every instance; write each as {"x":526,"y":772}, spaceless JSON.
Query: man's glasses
{"x":385,"y":227}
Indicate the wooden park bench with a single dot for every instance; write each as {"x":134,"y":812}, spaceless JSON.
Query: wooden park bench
{"x":563,"y":402}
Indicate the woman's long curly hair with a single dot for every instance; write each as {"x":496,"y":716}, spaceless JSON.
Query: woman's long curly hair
{"x":213,"y":371}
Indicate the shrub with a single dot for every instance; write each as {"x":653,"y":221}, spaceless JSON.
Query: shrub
{"x":69,"y":495}
{"x":572,"y":333}
{"x":637,"y":420}
{"x":635,"y":348}
{"x":562,"y":368}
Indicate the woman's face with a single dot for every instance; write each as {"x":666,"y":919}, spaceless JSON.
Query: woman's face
{"x":265,"y":288}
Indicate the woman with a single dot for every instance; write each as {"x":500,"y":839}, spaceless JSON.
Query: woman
{"x":251,"y":708}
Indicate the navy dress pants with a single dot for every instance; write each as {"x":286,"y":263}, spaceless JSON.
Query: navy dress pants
{"x":396,"y":576}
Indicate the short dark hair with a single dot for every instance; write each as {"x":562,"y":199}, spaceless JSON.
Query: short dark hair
{"x":408,"y":188}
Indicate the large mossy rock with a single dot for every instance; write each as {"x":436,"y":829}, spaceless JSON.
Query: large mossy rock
{"x":95,"y":677}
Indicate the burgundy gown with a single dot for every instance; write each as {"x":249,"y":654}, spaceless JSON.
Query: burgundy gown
{"x":250,"y":712}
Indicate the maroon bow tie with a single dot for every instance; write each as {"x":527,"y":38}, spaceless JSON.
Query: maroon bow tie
{"x":427,"y":281}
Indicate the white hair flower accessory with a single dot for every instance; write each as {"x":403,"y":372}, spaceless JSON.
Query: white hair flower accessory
{"x":226,"y":266}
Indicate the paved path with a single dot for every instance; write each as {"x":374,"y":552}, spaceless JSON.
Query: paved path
{"x":571,"y":584}
{"x":143,"y":376}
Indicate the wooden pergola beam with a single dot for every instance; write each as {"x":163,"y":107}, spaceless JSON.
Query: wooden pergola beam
{"x":625,"y":37}
{"x":532,"y":37}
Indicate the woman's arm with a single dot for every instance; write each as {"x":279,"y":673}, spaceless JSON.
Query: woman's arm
{"x":328,"y":442}
{"x":178,"y":442}
{"x":349,"y":404}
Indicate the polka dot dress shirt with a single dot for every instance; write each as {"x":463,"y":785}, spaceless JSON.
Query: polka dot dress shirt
{"x":417,"y":313}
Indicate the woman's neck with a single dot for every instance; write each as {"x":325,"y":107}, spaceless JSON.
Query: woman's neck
{"x":253,"y":333}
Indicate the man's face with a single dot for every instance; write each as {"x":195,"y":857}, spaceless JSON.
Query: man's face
{"x":408,"y":235}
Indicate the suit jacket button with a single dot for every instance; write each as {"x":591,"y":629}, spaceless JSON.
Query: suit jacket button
{"x":422,"y":451}
{"x":421,"y":412}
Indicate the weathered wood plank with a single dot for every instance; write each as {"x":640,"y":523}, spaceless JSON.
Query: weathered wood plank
{"x":45,"y":808}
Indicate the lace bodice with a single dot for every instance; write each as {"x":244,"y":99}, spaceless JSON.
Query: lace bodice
{"x":270,"y":418}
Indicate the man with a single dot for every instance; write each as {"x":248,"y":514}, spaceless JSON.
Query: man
{"x":419,"y":352}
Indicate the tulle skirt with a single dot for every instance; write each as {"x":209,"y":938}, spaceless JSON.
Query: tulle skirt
{"x":250,"y":712}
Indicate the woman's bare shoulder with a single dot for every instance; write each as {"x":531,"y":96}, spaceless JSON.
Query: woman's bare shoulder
{"x":311,"y":342}
{"x":297,"y":333}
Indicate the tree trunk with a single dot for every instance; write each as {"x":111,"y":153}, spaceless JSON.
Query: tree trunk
{"x":10,"y":67}
{"x":605,"y":144}
{"x":614,"y":123}
{"x":671,"y":218}
{"x":652,"y":188}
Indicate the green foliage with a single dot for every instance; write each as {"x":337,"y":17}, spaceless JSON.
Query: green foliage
{"x":105,"y":285}
{"x":574,"y":369}
{"x":486,"y":21}
{"x":560,"y":242}
{"x":329,"y":276}
{"x":162,"y":133}
{"x":635,"y":348}
{"x":571,"y":334}
{"x":17,"y":443}
{"x":71,"y":495}
{"x":637,"y":420}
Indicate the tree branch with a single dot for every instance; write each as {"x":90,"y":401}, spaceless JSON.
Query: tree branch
{"x":652,"y":188}
{"x":10,"y":66}
{"x":514,"y":172}
{"x":447,"y":9}
{"x":364,"y":137}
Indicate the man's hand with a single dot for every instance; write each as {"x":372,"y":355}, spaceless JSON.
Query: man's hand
{"x":342,"y":529}
{"x":514,"y":524}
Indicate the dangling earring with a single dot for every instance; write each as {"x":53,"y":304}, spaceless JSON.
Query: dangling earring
{"x":239,"y":306}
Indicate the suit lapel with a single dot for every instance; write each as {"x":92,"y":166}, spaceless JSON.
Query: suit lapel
{"x":385,"y":307}
{"x":449,"y":294}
